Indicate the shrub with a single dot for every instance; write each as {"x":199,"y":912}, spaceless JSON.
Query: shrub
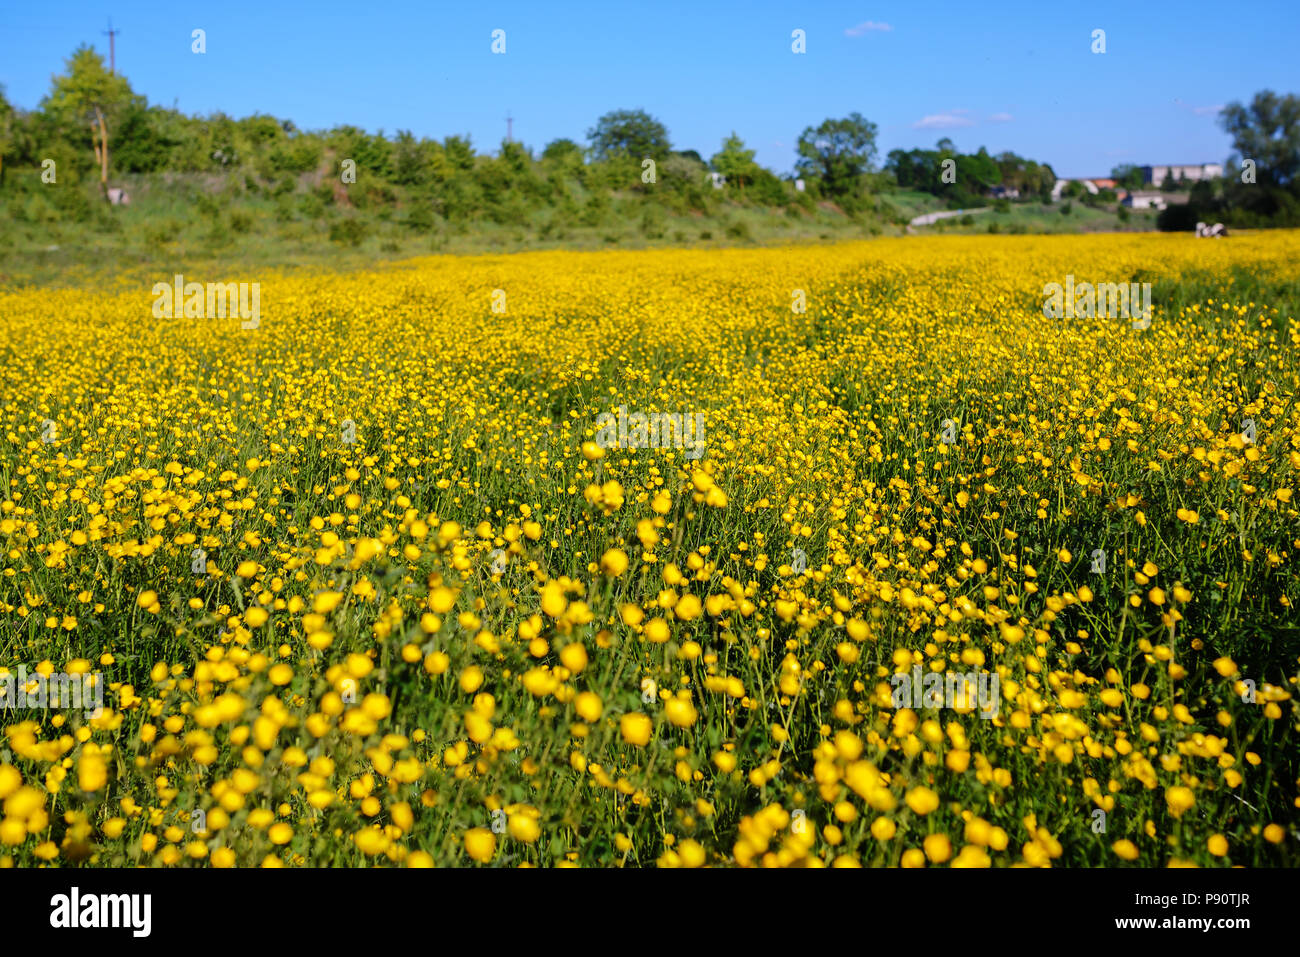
{"x":421,"y":217}
{"x":738,"y":229}
{"x":311,"y":206}
{"x":652,"y":223}
{"x":348,"y":232}
{"x":1180,"y":217}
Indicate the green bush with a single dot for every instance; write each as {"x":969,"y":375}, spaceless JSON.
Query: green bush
{"x":348,"y":232}
{"x":652,"y":223}
{"x":420,"y":217}
{"x":311,"y":206}
{"x":738,"y":229}
{"x":1179,"y":217}
{"x":207,"y":205}
{"x":76,"y":204}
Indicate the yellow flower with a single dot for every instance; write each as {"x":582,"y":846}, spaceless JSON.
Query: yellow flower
{"x":1125,"y":849}
{"x":588,"y":706}
{"x":681,"y":712}
{"x":480,"y":844}
{"x":523,"y":827}
{"x":922,"y":800}
{"x":574,"y":657}
{"x":1179,"y":799}
{"x":553,"y":600}
{"x":937,"y":847}
{"x":614,"y":562}
{"x":326,"y":601}
{"x":636,"y":728}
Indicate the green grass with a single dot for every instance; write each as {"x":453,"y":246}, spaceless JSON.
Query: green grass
{"x":233,"y":224}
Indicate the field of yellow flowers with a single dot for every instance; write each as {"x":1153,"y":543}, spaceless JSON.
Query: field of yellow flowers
{"x":365,"y":585}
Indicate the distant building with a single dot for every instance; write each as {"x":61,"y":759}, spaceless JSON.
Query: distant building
{"x":1144,"y":200}
{"x":1004,"y":192}
{"x":1192,"y":173}
{"x":1103,"y":183}
{"x":799,"y":185}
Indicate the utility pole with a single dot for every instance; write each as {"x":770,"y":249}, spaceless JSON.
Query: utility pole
{"x":112,"y":53}
{"x":509,"y":127}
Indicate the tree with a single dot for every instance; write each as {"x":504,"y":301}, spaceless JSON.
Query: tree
{"x":563,"y":153}
{"x":6,"y":130}
{"x":413,"y":160}
{"x":460,"y":153}
{"x":89,"y":94}
{"x":374,"y":154}
{"x":1127,"y":176}
{"x":977,"y":172}
{"x":137,"y":144}
{"x":1026,"y":175}
{"x":1268,"y":132}
{"x":838,"y":153}
{"x":628,"y":133}
{"x":735,"y":162}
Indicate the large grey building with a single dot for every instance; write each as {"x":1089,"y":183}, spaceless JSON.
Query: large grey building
{"x":1190,"y":172}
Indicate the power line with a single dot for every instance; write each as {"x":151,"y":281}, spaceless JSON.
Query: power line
{"x":112,"y":52}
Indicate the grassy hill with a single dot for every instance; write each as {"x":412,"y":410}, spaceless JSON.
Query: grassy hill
{"x":62,"y":233}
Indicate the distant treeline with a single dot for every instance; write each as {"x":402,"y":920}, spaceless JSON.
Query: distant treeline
{"x":93,"y":127}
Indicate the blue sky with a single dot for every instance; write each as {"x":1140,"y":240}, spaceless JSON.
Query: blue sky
{"x":1014,"y":75}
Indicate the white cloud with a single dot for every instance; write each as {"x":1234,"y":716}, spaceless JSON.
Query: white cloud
{"x":1000,"y":118}
{"x":867,"y":26}
{"x":941,"y":121}
{"x":1207,"y":110}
